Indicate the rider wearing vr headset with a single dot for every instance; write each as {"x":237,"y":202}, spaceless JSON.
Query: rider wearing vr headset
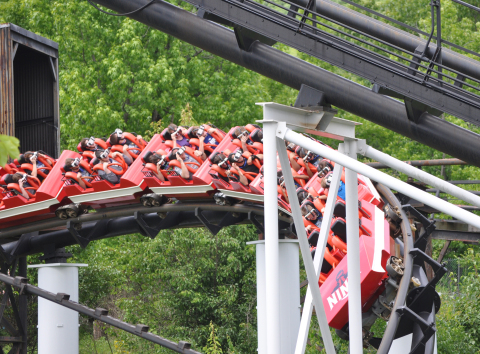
{"x":311,"y":214}
{"x":204,"y":136}
{"x":73,"y":165}
{"x":308,"y":157}
{"x":236,"y":159}
{"x":105,"y":160}
{"x":326,"y":181}
{"x":161,"y":162}
{"x":182,"y":157}
{"x":32,"y":158}
{"x":21,"y":180}
{"x":118,"y":138}
{"x":178,"y":135}
{"x":222,"y":161}
{"x":241,"y":132}
{"x":88,"y":144}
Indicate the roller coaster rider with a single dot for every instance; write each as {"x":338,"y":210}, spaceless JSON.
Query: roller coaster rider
{"x":308,"y":158}
{"x":118,"y":137}
{"x":88,"y":144}
{"x":22,"y":181}
{"x":241,"y":133}
{"x":105,"y":160}
{"x":180,"y":155}
{"x":246,"y":164}
{"x":326,"y":181}
{"x":161,"y":163}
{"x":33,"y":158}
{"x":312,"y":214}
{"x":222,"y":161}
{"x":204,"y":136}
{"x":74,"y":165}
{"x":178,"y":136}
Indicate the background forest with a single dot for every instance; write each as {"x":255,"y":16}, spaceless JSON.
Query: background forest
{"x":186,"y":284}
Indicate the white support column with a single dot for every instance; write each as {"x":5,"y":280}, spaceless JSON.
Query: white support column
{"x":302,"y":238}
{"x":319,"y":255}
{"x":57,"y":325}
{"x":353,"y":254}
{"x":289,"y":295}
{"x":272,"y":270}
{"x":414,"y":172}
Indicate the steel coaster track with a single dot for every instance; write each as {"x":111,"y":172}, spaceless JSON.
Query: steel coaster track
{"x":12,"y":233}
{"x":298,"y":27}
{"x":114,"y":222}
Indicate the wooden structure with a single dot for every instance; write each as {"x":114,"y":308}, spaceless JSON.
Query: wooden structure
{"x":29,"y":107}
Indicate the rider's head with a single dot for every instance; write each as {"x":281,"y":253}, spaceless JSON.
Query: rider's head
{"x":327,"y":180}
{"x":221,"y":160}
{"x":102,"y":155}
{"x":88,"y":144}
{"x":15,"y":177}
{"x":72,"y":165}
{"x":27,"y":156}
{"x":117,"y":137}
{"x":309,"y":211}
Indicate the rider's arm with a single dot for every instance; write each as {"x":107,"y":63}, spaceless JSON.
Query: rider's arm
{"x":80,"y":180}
{"x":24,"y":192}
{"x":160,"y":174}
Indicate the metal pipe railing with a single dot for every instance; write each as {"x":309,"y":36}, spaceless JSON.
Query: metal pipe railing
{"x":421,"y":163}
{"x":423,"y":176}
{"x":381,"y":177}
{"x":98,"y":314}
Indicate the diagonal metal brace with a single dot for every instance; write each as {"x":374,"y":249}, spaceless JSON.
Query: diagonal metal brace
{"x":82,"y":241}
{"x":214,"y":229}
{"x":428,"y":225}
{"x":147,"y":230}
{"x":428,"y":329}
{"x":253,"y":219}
{"x":7,"y":258}
{"x":438,"y":268}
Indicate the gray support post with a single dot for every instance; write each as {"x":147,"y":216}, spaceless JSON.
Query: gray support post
{"x":23,"y":305}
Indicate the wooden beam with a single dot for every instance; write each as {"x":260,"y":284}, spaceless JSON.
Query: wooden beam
{"x":443,"y":251}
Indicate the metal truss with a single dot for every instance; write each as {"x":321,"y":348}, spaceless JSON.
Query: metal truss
{"x":311,"y":32}
{"x":293,"y":72}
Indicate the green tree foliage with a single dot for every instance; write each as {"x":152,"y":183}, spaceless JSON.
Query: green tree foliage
{"x":180,"y":284}
{"x":213,"y":345}
{"x":8,"y":148}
